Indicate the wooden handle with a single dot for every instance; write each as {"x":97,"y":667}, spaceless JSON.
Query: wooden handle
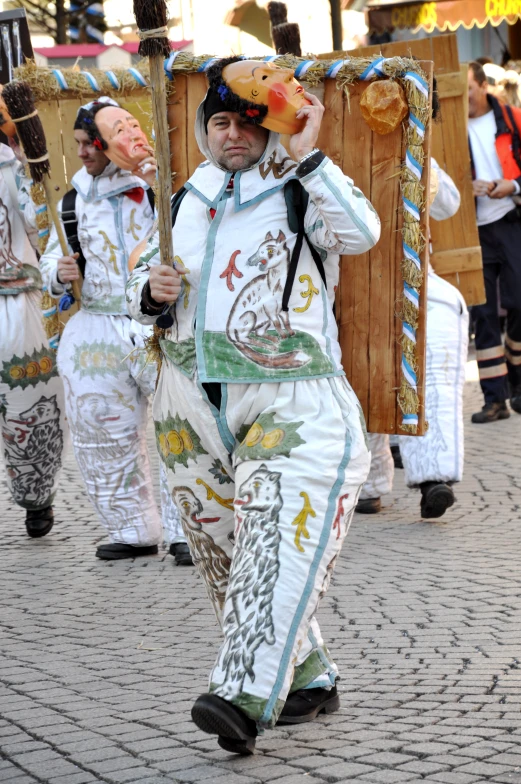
{"x":51,"y":206}
{"x":164,"y":191}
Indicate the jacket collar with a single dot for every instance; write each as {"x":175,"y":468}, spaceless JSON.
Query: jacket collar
{"x":496,"y":107}
{"x":251,"y":186}
{"x":111,"y":182}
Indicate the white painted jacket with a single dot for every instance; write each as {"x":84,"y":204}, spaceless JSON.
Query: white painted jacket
{"x":110,"y":225}
{"x":228,"y":319}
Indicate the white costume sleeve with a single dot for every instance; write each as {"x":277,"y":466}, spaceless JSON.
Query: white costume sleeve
{"x":139,"y":277}
{"x":49,"y":263}
{"x":339,"y":218}
{"x":447,"y":200}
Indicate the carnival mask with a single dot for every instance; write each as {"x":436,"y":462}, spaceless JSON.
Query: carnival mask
{"x":6,"y":124}
{"x":272,"y":86}
{"x":127,"y":144}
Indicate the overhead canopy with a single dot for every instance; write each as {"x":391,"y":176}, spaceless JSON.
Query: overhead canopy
{"x":252,"y":19}
{"x":442,"y":15}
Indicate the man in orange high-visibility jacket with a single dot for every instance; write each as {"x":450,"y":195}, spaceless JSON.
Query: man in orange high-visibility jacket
{"x":495,"y":148}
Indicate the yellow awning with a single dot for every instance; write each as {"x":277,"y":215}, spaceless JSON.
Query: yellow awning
{"x":442,"y":15}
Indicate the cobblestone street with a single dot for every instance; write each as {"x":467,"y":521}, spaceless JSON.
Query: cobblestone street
{"x":100,"y":662}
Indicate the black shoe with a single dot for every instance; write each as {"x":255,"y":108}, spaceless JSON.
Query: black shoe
{"x":437,"y":497}
{"x":181,"y":553}
{"x":491,"y":412}
{"x":305,"y":705}
{"x":368,"y":506}
{"x":515,"y":399}
{"x":39,"y":522}
{"x":397,"y":457}
{"x":117,"y":551}
{"x":235,"y":731}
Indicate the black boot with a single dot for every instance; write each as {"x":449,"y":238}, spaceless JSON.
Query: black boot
{"x":491,"y":412}
{"x":397,"y":457}
{"x":181,"y":553}
{"x":368,"y":506}
{"x":437,"y":497}
{"x":515,"y":399}
{"x":39,"y":522}
{"x":305,"y":704}
{"x":118,"y":551}
{"x":236,"y":732}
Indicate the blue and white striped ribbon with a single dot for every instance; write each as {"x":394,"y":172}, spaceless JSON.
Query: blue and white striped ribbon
{"x":140,"y":79}
{"x":409,"y":332}
{"x":373,"y":69}
{"x":272,"y":57}
{"x":412,"y":164}
{"x":418,"y":82}
{"x":408,"y":372}
{"x":411,"y":208}
{"x":60,"y":78}
{"x":415,"y":123}
{"x":43,"y":232}
{"x":204,"y":66}
{"x":410,"y":419}
{"x":334,"y":68}
{"x":302,"y":68}
{"x":411,"y":254}
{"x":411,"y":294}
{"x":48,"y":312}
{"x":113,"y":79}
{"x":54,"y":342}
{"x":169,"y":64}
{"x":91,"y":80}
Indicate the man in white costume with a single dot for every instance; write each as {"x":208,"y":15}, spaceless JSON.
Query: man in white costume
{"x":100,"y":357}
{"x":32,"y":410}
{"x":433,"y":462}
{"x":263,"y":438}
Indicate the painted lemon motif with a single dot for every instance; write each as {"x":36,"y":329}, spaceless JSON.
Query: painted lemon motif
{"x":98,"y":358}
{"x":163,"y":445}
{"x":187,"y":440}
{"x":32,"y":369}
{"x":112,"y":361}
{"x":46,"y":364}
{"x":17,"y":372}
{"x":175,"y":442}
{"x":84,"y":359}
{"x":254,"y":435}
{"x":273,"y":439}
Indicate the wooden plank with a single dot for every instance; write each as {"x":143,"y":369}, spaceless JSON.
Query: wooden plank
{"x":468,"y":260}
{"x":195,"y":94}
{"x":177,"y":112}
{"x":68,"y":109}
{"x":450,"y":84}
{"x":353,"y":311}
{"x":50,"y":117}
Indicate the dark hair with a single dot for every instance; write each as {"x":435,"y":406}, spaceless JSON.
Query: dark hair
{"x":253,"y":113}
{"x":478,"y":72}
{"x":483,"y":60}
{"x":85,"y":122}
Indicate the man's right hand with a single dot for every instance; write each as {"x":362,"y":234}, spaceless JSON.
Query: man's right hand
{"x":482,"y":187}
{"x":165,"y":284}
{"x":68,"y":269}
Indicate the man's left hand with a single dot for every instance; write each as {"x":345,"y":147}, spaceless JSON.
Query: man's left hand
{"x":305,"y":141}
{"x":502,"y":188}
{"x":147,"y":169}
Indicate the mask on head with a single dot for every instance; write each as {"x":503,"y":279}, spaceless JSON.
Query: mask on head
{"x":6,"y":124}
{"x":126,"y":143}
{"x":263,"y":93}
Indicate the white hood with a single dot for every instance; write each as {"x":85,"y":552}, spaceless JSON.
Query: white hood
{"x":202,"y":141}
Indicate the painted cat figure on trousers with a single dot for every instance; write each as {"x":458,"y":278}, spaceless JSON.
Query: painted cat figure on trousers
{"x":258,"y":308}
{"x":254,"y":575}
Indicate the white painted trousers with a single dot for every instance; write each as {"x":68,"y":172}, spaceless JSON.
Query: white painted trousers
{"x":107,"y":387}
{"x":438,"y":455}
{"x":266,"y":487}
{"x":32,"y":410}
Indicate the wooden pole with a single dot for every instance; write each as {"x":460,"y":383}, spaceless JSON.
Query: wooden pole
{"x":336,"y":25}
{"x":76,"y":285}
{"x":164,"y":191}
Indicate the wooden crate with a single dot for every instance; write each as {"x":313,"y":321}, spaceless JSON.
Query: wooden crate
{"x":371,"y":286}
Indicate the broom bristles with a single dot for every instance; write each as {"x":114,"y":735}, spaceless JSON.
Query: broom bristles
{"x":286,"y":38}
{"x":152,"y":15}
{"x":278,"y":13}
{"x":19,"y":101}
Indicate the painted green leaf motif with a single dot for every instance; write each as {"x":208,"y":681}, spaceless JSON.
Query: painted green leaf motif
{"x":3,"y":405}
{"x":98,"y":359}
{"x":177,"y":441}
{"x":30,"y":369}
{"x":220,"y":472}
{"x":267,"y":438}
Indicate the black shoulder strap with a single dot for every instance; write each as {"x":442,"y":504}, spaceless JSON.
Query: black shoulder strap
{"x":516,"y":142}
{"x":297,"y":199}
{"x":70,"y":224}
{"x":151,"y":198}
{"x":175,"y":203}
